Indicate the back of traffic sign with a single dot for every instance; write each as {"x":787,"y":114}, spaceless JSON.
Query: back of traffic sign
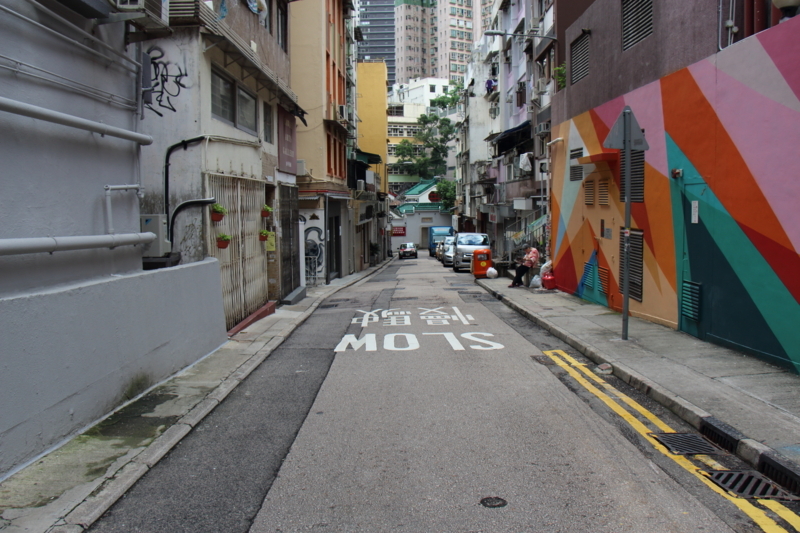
{"x":616,"y":137}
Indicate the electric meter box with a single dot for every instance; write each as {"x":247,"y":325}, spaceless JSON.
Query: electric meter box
{"x":156,"y":224}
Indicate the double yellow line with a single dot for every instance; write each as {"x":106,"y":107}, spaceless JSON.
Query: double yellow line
{"x":755,"y":513}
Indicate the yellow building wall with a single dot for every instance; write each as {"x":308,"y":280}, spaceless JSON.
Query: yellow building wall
{"x":371,"y":109}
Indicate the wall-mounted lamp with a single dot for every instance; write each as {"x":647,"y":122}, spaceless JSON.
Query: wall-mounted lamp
{"x":586,"y":31}
{"x":677,"y":173}
{"x":788,"y":8}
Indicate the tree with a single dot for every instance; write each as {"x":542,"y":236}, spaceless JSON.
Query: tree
{"x":449,"y":99}
{"x":428,"y":158}
{"x":447,"y":193}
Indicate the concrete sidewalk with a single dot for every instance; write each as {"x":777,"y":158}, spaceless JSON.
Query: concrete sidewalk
{"x":747,"y":406}
{"x":66,"y":490}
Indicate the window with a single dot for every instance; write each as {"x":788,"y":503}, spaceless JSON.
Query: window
{"x":637,"y":21}
{"x":395,"y":131}
{"x":268,"y":130}
{"x":283,"y":27}
{"x":636,"y":265}
{"x":268,"y":15}
{"x":637,"y":176}
{"x":432,"y":88}
{"x":233,"y":103}
{"x":579,"y":58}
{"x":395,"y":110}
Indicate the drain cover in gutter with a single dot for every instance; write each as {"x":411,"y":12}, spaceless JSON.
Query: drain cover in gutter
{"x":749,"y":484}
{"x":687,"y":444}
{"x":406,"y":298}
{"x":328,"y":306}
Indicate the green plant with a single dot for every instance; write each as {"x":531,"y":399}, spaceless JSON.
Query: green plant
{"x":560,"y":74}
{"x":264,"y":233}
{"x":219,"y":208}
{"x":374,"y":248}
{"x":223,"y":237}
{"x":266,"y":208}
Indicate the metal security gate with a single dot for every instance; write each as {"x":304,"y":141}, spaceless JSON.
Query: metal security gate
{"x":290,"y":239}
{"x":243,"y":264}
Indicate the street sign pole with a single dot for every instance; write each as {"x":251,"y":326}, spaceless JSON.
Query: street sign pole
{"x":626,"y":232}
{"x":626,"y":134}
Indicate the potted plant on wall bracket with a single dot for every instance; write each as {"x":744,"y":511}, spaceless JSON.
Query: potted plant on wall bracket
{"x":218,"y":212}
{"x":223,"y":240}
{"x":262,"y":235}
{"x":266,"y":211}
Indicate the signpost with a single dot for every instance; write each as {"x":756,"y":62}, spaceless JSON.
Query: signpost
{"x":626,"y":135}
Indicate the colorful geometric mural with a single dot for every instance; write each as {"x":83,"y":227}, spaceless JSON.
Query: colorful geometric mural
{"x":720,"y":222}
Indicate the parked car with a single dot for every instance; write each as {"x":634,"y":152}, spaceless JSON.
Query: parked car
{"x":465,"y":245}
{"x":442,"y":246}
{"x":408,"y":249}
{"x":449,"y":252}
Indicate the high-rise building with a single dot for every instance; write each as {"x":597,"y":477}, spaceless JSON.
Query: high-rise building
{"x":434,"y":39}
{"x":376,"y":20}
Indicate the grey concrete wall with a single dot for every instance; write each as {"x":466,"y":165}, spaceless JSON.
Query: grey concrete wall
{"x":71,"y":355}
{"x":81,"y":328}
{"x":680,"y":37}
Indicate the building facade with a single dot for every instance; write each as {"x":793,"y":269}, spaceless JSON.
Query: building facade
{"x":713,"y":237}
{"x":376,"y":20}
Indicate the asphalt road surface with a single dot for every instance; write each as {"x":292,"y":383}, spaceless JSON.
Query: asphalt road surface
{"x":412,"y":402}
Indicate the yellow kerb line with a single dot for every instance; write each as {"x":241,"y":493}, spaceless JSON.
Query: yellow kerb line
{"x":757,"y":515}
{"x":783,"y":512}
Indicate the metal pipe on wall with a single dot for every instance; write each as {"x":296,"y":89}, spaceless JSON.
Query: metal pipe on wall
{"x":33,"y":245}
{"x":48,"y":115}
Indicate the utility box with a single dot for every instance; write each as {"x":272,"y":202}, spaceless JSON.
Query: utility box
{"x":156,"y":224}
{"x":523,"y":204}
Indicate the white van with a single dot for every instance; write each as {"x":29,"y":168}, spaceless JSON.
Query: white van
{"x":464,"y":245}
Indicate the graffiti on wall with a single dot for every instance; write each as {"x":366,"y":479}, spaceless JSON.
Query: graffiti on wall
{"x":167,"y":81}
{"x":315,"y":254}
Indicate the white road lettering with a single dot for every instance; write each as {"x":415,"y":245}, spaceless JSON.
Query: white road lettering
{"x":451,"y":338}
{"x":350,"y":340}
{"x":411,"y":341}
{"x":489,"y":344}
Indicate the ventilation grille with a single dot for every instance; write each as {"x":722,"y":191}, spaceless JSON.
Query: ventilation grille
{"x":602,"y":192}
{"x":637,"y":21}
{"x":579,"y":58}
{"x":576,"y":173}
{"x":575,"y":153}
{"x":636,"y":263}
{"x":690,"y":300}
{"x":588,"y":275}
{"x":637,"y":176}
{"x":603,"y":276}
{"x":588,"y":192}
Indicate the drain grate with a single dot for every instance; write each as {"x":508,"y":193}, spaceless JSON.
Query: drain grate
{"x":339,"y":300}
{"x":749,"y":484}
{"x":328,"y":306}
{"x":405,"y":298}
{"x":687,"y":444}
{"x":493,"y":502}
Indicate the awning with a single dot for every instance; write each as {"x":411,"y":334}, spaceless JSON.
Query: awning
{"x":372,"y":159}
{"x":509,"y":132}
{"x":491,"y":136}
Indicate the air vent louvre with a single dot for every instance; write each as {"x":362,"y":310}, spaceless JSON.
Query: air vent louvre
{"x":579,"y":58}
{"x":637,"y":21}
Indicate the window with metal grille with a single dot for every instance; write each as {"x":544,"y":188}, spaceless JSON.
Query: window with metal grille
{"x":588,"y":275}
{"x":576,"y":173}
{"x":602,"y":192}
{"x":637,"y":176}
{"x":395,"y":111}
{"x":603,"y":276}
{"x":637,"y":21}
{"x":579,"y":58}
{"x":588,"y":192}
{"x":636,"y":266}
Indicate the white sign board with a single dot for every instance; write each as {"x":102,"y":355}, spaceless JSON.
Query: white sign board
{"x":695,"y":211}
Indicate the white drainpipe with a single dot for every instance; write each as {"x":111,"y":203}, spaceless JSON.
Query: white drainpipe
{"x":34,"y":245}
{"x":27,"y":110}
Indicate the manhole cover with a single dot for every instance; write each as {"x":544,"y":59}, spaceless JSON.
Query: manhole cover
{"x":493,"y":501}
{"x":687,"y":444}
{"x":749,"y":484}
{"x":328,"y":306}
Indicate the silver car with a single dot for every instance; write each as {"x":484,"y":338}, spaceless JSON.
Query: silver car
{"x":463,"y":247}
{"x":447,"y":249}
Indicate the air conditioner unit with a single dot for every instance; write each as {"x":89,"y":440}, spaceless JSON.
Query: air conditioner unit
{"x":509,"y":98}
{"x":544,"y":167}
{"x":301,"y":167}
{"x":156,"y":12}
{"x":531,"y":108}
{"x":342,"y":113}
{"x":360,"y":185}
{"x":543,"y":128}
{"x":541,"y":86}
